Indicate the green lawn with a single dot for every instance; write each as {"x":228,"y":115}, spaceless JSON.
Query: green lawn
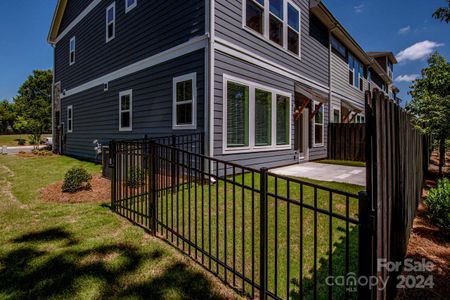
{"x":12,"y":140}
{"x":83,"y":251}
{"x":198,"y":212}
{"x":343,"y":162}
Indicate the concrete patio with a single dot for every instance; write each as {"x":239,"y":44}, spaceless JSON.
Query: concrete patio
{"x":325,"y":172}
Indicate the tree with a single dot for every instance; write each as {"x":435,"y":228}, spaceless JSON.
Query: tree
{"x":443,"y":13}
{"x":430,"y":102}
{"x":7,"y":116}
{"x":33,"y":104}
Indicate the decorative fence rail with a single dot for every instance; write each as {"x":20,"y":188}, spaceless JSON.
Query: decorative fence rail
{"x":397,"y":158}
{"x":266,"y":235}
{"x":346,"y":142}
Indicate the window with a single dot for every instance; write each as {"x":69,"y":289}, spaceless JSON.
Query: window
{"x":356,"y":72}
{"x":126,"y":111}
{"x":257,"y":117}
{"x":338,"y":47}
{"x":255,"y":15}
{"x":72,"y":46}
{"x":336,"y":115}
{"x":318,"y":124}
{"x":129,"y":5}
{"x":69,"y":118}
{"x":184,"y":102}
{"x":276,"y":20}
{"x":111,"y":22}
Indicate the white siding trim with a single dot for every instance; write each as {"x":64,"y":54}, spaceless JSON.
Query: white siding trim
{"x":78,"y":19}
{"x":121,"y":94}
{"x":243,"y":54}
{"x":251,"y":126}
{"x":187,"y":77}
{"x":192,"y":45}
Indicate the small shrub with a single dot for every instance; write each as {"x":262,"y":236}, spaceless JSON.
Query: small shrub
{"x":136,"y":177}
{"x":438,"y":203}
{"x":42,"y":152}
{"x":34,"y":139}
{"x":76,"y":179}
{"x":21,"y":142}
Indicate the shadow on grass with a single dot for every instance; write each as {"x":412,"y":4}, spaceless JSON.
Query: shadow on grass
{"x":35,"y":270}
{"x":338,"y":259}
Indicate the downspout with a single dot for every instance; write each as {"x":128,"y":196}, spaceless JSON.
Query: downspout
{"x":53,"y":99}
{"x":211,"y":46}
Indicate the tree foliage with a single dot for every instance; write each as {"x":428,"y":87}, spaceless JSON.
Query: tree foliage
{"x":443,"y":13}
{"x":7,"y":116}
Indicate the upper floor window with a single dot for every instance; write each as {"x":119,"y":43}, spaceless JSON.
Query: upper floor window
{"x":72,"y":46}
{"x":338,"y":47}
{"x":276,"y":20}
{"x":111,"y":22}
{"x":184,"y":102}
{"x":129,"y":5}
{"x":69,"y":118}
{"x":356,"y":72}
{"x":126,"y":111}
{"x":390,"y":69}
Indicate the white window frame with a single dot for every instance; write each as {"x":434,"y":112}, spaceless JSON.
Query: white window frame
{"x":316,"y":145}
{"x":70,"y":130}
{"x":72,"y":50}
{"x":265,"y":35}
{"x":186,"y":77}
{"x":130,"y":94}
{"x":251,"y":126}
{"x":113,"y":6}
{"x":128,"y":8}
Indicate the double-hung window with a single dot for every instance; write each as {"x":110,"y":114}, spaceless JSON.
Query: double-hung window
{"x":184,"y":109}
{"x":355,"y":71}
{"x":129,"y":5}
{"x":72,"y":48}
{"x":111,"y":22}
{"x":336,"y":114}
{"x":70,"y":118}
{"x":255,"y":117}
{"x":126,"y":111}
{"x":318,"y":124}
{"x":275,"y":20}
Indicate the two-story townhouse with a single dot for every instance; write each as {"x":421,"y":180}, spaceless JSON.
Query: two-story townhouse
{"x":257,"y":77}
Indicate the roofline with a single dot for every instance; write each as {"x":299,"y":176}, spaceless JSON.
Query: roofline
{"x":336,"y":25}
{"x":56,"y":21}
{"x":389,"y":54}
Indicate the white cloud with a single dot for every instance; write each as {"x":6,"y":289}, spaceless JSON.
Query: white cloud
{"x":418,"y":51}
{"x":358,"y":8}
{"x":404,"y":30}
{"x":407,"y":78}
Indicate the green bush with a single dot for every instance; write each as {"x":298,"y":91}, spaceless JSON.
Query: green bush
{"x":76,"y":179}
{"x":21,"y":142}
{"x":438,"y":203}
{"x":136,"y":177}
{"x":42,"y":152}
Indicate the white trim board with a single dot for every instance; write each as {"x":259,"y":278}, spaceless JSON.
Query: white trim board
{"x":192,"y":45}
{"x":241,"y":53}
{"x":78,"y":19}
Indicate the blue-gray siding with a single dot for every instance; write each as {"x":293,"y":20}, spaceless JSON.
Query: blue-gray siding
{"x":314,"y":56}
{"x":96,"y":113}
{"x":73,"y":9}
{"x":151,"y":27}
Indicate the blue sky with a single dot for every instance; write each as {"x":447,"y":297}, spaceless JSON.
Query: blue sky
{"x":377,"y":25}
{"x":396,"y":25}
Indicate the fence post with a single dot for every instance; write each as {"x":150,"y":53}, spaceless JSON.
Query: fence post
{"x":154,"y":190}
{"x":172,"y":169}
{"x":112,"y":166}
{"x":263,"y":233}
{"x":366,"y":242}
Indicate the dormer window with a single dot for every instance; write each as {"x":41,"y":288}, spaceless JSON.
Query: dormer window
{"x":72,"y":46}
{"x":111,"y":22}
{"x":129,"y":5}
{"x":278,"y":21}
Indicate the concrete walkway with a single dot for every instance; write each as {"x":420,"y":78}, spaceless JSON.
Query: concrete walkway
{"x":325,"y":172}
{"x":17,"y":149}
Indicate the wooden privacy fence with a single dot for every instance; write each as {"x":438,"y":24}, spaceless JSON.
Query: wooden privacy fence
{"x":346,"y":142}
{"x":397,"y":157}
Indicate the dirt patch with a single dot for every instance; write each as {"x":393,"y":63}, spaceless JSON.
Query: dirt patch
{"x":100,"y":192}
{"x":32,"y":155}
{"x":431,"y":243}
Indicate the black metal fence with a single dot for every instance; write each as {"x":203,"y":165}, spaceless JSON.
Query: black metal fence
{"x":263,"y":234}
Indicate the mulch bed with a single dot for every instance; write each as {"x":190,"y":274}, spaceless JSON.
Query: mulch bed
{"x":100,"y":192}
{"x":431,"y":243}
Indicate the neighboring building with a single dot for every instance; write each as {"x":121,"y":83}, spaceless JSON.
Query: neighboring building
{"x":261,"y":78}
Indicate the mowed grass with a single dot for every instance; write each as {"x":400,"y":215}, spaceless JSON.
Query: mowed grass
{"x":219,"y":225}
{"x":83,"y":251}
{"x":13,"y":140}
{"x":348,"y":163}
